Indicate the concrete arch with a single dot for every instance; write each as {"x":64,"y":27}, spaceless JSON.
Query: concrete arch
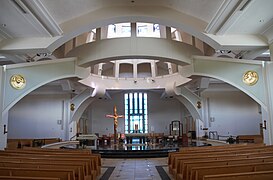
{"x":45,"y":72}
{"x":186,"y":97}
{"x":109,"y":15}
{"x":189,"y":99}
{"x":134,"y":48}
{"x":81,"y":102}
{"x":191,"y":108}
{"x":231,"y":72}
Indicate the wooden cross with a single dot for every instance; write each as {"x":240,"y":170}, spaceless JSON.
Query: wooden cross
{"x":115,"y":116}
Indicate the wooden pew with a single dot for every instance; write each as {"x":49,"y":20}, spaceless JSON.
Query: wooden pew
{"x":249,"y":138}
{"x":180,"y":166}
{"x":89,"y":173}
{"x":79,"y":173}
{"x":94,"y":160}
{"x":26,"y":178}
{"x":189,"y":161}
{"x":62,"y":152}
{"x":175,"y":163}
{"x":188,"y":165}
{"x":181,"y":162}
{"x":209,"y":149}
{"x":28,"y":172}
{"x":199,"y":172}
{"x":81,"y":165}
{"x":261,"y":175}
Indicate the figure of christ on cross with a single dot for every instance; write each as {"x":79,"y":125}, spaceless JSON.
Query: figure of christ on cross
{"x":115,"y":116}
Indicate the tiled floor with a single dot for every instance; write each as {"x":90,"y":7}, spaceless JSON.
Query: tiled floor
{"x":139,"y":169}
{"x":135,"y":169}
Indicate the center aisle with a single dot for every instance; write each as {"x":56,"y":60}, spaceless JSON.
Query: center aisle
{"x":135,"y":169}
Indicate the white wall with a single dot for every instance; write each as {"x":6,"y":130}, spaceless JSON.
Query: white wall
{"x":160,"y":113}
{"x":98,"y":123}
{"x":36,"y":116}
{"x":234,"y":113}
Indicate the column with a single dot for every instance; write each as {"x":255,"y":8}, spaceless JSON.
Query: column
{"x":168,"y":33}
{"x":3,"y":136}
{"x":100,"y":69}
{"x":193,"y":41}
{"x":267,"y":114}
{"x":116,"y":70}
{"x":98,"y":34}
{"x":135,"y":69}
{"x":271,"y":51}
{"x":133,"y":29}
{"x":104,"y":32}
{"x":170,"y":69}
{"x":153,"y":68}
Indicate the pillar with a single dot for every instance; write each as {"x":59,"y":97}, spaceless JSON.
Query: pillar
{"x":170,"y":69}
{"x":267,"y":114}
{"x":100,"y":69}
{"x":168,"y":33}
{"x":271,"y":51}
{"x":104,"y":32}
{"x":162,"y":30}
{"x":3,"y":136}
{"x":133,"y":29}
{"x":135,"y":69}
{"x":153,"y":68}
{"x":98,"y":34}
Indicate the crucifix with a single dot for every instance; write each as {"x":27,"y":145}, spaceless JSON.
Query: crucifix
{"x":115,"y":116}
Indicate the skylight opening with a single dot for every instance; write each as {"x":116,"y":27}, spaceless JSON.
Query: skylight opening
{"x":119,"y":30}
{"x":148,"y":30}
{"x":173,"y":30}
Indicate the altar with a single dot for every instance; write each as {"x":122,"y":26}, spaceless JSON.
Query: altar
{"x":141,"y":136}
{"x":87,"y":140}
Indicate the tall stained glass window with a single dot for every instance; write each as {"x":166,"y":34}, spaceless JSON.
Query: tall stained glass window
{"x":136,"y":113}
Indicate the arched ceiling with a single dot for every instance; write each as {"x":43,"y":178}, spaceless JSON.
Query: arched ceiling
{"x":62,"y":11}
{"x":36,"y":27}
{"x":43,"y":25}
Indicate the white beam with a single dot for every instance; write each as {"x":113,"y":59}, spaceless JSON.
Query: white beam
{"x":254,"y":53}
{"x":41,"y":16}
{"x":236,"y":42}
{"x":28,"y":45}
{"x":271,"y":51}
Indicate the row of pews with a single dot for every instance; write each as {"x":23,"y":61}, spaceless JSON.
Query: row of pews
{"x":21,"y":143}
{"x":238,"y":161}
{"x":49,"y":164}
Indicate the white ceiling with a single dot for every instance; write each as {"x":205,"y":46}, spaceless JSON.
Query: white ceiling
{"x":224,"y":18}
{"x":63,"y":10}
{"x":14,"y":23}
{"x":255,"y":19}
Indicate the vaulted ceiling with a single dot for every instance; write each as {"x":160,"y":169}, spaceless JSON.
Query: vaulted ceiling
{"x":36,"y":28}
{"x":41,"y":26}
